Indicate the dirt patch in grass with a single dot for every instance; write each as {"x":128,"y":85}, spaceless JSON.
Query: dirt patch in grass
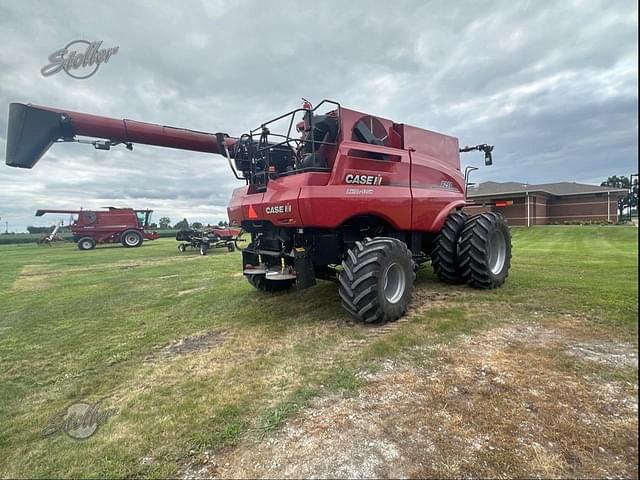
{"x":35,"y":277}
{"x":194,"y":343}
{"x":425,"y":299}
{"x":493,"y":405}
{"x":612,"y":354}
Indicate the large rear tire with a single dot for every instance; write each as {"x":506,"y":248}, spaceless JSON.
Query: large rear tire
{"x":444,"y":256}
{"x":265,"y":285}
{"x":131,"y":239}
{"x":376,"y":280}
{"x":485,"y":250}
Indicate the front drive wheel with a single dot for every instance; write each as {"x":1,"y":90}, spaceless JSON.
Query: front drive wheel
{"x":376,"y":280}
{"x":131,"y":239}
{"x":204,"y":248}
{"x":265,"y":285}
{"x":485,"y":250}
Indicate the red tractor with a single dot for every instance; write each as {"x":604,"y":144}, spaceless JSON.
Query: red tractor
{"x":329,"y":193}
{"x":124,"y":225}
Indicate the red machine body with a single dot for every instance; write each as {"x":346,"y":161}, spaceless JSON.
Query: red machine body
{"x":412,"y":183}
{"x":113,"y":225}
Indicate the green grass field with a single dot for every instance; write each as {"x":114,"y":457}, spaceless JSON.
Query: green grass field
{"x":104,"y":324}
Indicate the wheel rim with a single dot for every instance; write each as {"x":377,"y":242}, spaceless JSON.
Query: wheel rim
{"x":394,"y":283}
{"x":497,"y":251}
{"x":86,"y":245}
{"x":131,"y":239}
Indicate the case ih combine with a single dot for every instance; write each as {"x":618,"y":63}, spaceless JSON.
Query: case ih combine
{"x":329,"y":193}
{"x":124,"y":225}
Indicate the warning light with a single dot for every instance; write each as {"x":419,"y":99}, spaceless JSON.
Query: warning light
{"x":252,"y":212}
{"x":504,"y":203}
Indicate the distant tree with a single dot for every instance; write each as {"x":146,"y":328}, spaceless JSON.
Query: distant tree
{"x":196,"y":225}
{"x":164,"y":222}
{"x":223,"y":223}
{"x":153,"y":225}
{"x":182,"y":225}
{"x":629,"y":200}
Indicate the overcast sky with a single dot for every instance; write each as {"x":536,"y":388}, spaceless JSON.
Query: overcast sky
{"x":554,"y":85}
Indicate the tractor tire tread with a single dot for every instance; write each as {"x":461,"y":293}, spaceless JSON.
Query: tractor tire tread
{"x":474,"y":247}
{"x":361,"y":271}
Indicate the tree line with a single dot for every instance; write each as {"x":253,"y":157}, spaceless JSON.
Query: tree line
{"x":165,"y":224}
{"x":630,"y":200}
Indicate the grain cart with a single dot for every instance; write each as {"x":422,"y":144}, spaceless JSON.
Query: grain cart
{"x":328,"y":193}
{"x":124,"y":225}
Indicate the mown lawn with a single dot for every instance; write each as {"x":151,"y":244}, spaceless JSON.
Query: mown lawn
{"x":104,"y":326}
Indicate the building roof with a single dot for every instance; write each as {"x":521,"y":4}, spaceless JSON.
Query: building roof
{"x":561,"y":188}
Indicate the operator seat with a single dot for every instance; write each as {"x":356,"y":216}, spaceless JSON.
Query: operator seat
{"x":325,"y":129}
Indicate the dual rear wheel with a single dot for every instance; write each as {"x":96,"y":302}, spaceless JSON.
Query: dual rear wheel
{"x":473,"y":249}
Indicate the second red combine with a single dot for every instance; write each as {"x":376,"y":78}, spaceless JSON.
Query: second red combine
{"x":113,"y":225}
{"x":328,"y":193}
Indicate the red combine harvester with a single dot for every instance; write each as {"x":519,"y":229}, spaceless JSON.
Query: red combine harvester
{"x":329,"y":193}
{"x":124,"y":225}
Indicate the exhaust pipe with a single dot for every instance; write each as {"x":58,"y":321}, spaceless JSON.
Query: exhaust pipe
{"x":33,"y":129}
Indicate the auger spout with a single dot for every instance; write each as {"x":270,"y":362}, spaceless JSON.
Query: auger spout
{"x":33,"y":129}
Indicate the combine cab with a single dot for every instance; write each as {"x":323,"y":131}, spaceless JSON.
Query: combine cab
{"x":112,"y":225}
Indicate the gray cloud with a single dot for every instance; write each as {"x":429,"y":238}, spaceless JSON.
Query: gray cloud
{"x":553,"y":85}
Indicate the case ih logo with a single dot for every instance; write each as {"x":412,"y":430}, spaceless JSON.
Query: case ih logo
{"x":363,"y":179}
{"x":80,"y":56}
{"x":278,"y":209}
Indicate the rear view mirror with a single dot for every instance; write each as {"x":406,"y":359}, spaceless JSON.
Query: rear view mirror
{"x":483,"y":147}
